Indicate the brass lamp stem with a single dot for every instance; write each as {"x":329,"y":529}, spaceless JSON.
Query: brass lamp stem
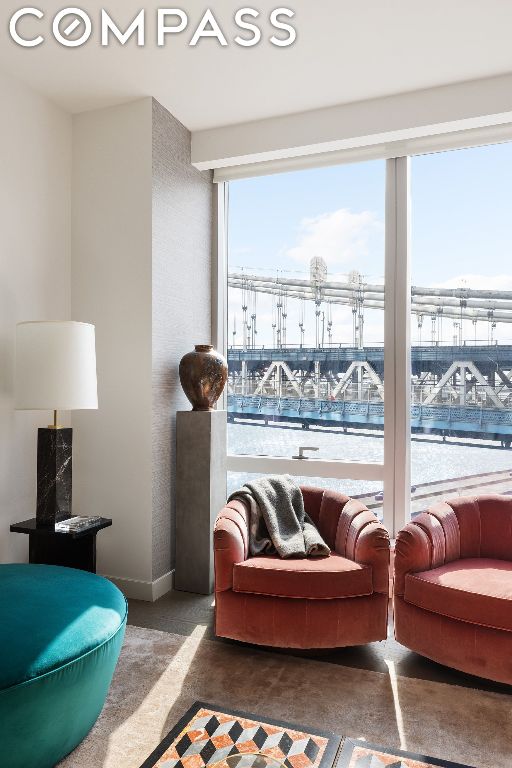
{"x":54,"y":425}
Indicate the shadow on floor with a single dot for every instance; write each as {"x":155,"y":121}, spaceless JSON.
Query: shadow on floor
{"x":182,"y":612}
{"x":161,"y":674}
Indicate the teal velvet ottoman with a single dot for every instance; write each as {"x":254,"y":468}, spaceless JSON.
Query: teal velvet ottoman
{"x":61,"y":632}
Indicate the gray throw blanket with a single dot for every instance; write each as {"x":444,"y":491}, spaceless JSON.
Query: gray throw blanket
{"x":278,"y":521}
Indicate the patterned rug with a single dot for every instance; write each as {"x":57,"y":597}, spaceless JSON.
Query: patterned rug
{"x":220,"y":738}
{"x":360,"y":754}
{"x":207,"y":736}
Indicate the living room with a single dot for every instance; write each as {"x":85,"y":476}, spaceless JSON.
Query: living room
{"x":256,"y":388}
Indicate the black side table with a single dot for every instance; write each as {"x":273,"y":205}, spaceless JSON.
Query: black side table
{"x":76,"y":549}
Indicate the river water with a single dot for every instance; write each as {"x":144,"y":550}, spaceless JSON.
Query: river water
{"x":431,"y":459}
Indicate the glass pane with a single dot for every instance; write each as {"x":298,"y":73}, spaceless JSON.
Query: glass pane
{"x":305,"y":314}
{"x":369,"y":492}
{"x":461,"y":330}
{"x":284,"y":439}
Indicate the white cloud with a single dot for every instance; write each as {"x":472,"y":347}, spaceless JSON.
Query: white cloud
{"x":341,"y":238}
{"x":479,"y":282}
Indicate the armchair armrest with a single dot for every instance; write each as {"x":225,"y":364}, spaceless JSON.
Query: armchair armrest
{"x":431,"y":540}
{"x":362,"y":538}
{"x":230,"y":542}
{"x":372,"y":548}
{"x":412,"y":554}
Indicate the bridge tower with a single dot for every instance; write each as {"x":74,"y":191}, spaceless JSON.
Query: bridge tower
{"x":318,"y":276}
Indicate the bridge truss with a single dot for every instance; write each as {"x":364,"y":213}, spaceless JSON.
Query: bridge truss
{"x":461,"y":389}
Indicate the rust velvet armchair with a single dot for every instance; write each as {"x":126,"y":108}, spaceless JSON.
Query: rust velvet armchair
{"x":453,"y":585}
{"x":325,"y":602}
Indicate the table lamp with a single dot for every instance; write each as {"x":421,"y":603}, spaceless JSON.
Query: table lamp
{"x":55,"y":371}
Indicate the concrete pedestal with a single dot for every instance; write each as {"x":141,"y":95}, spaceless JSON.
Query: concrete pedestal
{"x":200,"y":495}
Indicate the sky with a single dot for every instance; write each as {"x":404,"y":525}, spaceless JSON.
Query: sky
{"x":461,"y":203}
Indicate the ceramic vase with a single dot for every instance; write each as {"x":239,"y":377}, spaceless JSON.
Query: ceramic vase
{"x":203,"y":375}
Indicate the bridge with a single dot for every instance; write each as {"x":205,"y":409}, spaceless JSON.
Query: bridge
{"x":456,"y":391}
{"x":462,"y":388}
{"x":488,"y":357}
{"x":448,"y":421}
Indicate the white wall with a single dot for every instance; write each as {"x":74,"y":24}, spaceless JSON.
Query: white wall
{"x":35,"y":178}
{"x":141,"y":271}
{"x":111,"y":287}
{"x":103,"y":219}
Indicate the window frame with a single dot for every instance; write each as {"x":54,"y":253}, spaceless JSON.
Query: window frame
{"x":394,"y":470}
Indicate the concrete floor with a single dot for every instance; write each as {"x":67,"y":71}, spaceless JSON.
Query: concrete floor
{"x":181,"y":612}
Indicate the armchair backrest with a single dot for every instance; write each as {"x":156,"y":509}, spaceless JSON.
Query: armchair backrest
{"x":496,"y":527}
{"x":339,"y":518}
{"x":479,"y":526}
{"x":485,"y":525}
{"x":324,"y":508}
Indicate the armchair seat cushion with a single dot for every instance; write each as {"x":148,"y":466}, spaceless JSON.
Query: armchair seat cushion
{"x":320,"y":578}
{"x":474,"y":590}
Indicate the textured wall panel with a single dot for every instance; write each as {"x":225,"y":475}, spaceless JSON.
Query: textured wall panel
{"x":182,"y":257}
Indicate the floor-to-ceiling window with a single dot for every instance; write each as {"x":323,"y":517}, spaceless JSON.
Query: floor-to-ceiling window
{"x":461,"y":332}
{"x":306,"y":327}
{"x":308,"y":315}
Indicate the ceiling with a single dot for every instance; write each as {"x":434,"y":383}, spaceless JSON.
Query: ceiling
{"x":345,"y":52}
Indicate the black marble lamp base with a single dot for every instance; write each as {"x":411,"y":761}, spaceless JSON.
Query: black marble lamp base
{"x":54,"y":475}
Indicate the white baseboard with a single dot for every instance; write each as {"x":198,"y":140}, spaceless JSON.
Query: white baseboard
{"x":161,"y":586}
{"x":144,"y":590}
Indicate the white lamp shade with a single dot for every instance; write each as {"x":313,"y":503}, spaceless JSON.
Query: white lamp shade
{"x":55,"y":366}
